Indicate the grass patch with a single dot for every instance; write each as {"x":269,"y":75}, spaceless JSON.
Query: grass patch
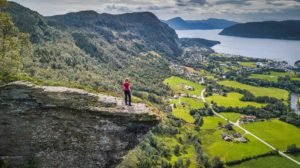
{"x":258,"y":91}
{"x":267,"y":162}
{"x":214,"y":145}
{"x":178,"y":86}
{"x":295,"y":78}
{"x":248,"y":64}
{"x":231,"y":116}
{"x":183,"y":107}
{"x":190,"y":103}
{"x":273,"y":76}
{"x":277,"y":133}
{"x":191,"y":70}
{"x":183,"y":113}
{"x":296,"y":156}
{"x":232,"y":100}
{"x":269,"y":78}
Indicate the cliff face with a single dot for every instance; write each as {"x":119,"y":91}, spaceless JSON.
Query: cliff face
{"x":63,"y":127}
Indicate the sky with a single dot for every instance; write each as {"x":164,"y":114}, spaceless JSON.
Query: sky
{"x":237,"y":10}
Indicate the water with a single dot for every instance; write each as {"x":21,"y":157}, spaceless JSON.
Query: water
{"x":279,"y":50}
{"x":294,"y":103}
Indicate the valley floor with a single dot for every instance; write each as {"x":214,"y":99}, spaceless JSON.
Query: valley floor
{"x":267,"y":139}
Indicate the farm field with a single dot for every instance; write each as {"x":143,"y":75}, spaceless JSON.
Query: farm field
{"x":183,"y":113}
{"x":277,"y":133}
{"x":232,"y":99}
{"x":273,"y":76}
{"x":295,"y":156}
{"x":214,"y":145}
{"x":269,"y":78}
{"x":267,"y":162}
{"x":183,"y":107}
{"x":248,"y":64}
{"x":258,"y":91}
{"x":191,"y":103}
{"x":177,"y":85}
{"x":231,"y":116}
{"x":295,"y":78}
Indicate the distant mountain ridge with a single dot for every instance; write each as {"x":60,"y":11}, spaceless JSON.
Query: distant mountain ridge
{"x":289,"y":29}
{"x":178,"y":23}
{"x":99,"y":50}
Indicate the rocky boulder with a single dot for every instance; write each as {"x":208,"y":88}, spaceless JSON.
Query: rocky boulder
{"x":63,"y":127}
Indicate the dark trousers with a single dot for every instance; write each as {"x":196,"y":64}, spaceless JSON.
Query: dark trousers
{"x":127,"y":97}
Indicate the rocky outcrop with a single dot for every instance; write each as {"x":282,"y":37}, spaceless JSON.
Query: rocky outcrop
{"x":63,"y":127}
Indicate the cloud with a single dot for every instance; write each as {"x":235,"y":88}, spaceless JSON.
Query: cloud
{"x":240,"y":10}
{"x":120,"y":8}
{"x":190,"y":2}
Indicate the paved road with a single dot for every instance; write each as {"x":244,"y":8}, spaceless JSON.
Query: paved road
{"x":247,"y":132}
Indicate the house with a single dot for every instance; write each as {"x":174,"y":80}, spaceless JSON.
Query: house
{"x":202,"y":81}
{"x":183,"y":95}
{"x":188,"y":87}
{"x":241,"y":139}
{"x":194,"y":96}
{"x":226,"y":137}
{"x":260,"y":64}
{"x":236,"y":137}
{"x":249,"y":118}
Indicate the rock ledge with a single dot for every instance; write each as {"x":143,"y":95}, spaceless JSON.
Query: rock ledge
{"x":71,"y":98}
{"x":63,"y":127}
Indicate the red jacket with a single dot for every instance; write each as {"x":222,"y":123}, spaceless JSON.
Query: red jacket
{"x":126,"y":86}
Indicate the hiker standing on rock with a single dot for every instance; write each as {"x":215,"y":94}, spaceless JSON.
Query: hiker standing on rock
{"x":127,"y":92}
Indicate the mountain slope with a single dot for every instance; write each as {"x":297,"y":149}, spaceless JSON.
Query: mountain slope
{"x":137,"y":31}
{"x":99,"y":50}
{"x":270,"y":29}
{"x":212,"y":23}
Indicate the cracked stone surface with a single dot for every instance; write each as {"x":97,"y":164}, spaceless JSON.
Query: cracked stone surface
{"x":66,"y":127}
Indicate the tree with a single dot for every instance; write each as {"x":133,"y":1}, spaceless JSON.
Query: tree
{"x":177,"y":150}
{"x":3,"y":4}
{"x":188,"y":162}
{"x":13,"y":44}
{"x":165,"y":164}
{"x":178,"y":163}
{"x":216,"y":163}
{"x":144,"y":163}
{"x":292,"y":148}
{"x":297,"y":63}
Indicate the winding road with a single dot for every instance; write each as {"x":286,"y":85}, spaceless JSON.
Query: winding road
{"x":248,"y":132}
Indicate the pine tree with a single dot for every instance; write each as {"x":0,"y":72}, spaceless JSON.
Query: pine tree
{"x":13,"y":45}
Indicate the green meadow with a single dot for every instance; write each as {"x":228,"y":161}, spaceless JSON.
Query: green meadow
{"x":273,"y":76}
{"x":232,"y":100}
{"x":258,"y":91}
{"x":183,"y":107}
{"x":183,"y":113}
{"x":248,"y":64}
{"x":279,"y":134}
{"x":178,"y":85}
{"x":214,"y":145}
{"x":184,"y":104}
{"x":296,"y":155}
{"x":267,"y":162}
{"x":232,"y":116}
{"x":188,"y":102}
